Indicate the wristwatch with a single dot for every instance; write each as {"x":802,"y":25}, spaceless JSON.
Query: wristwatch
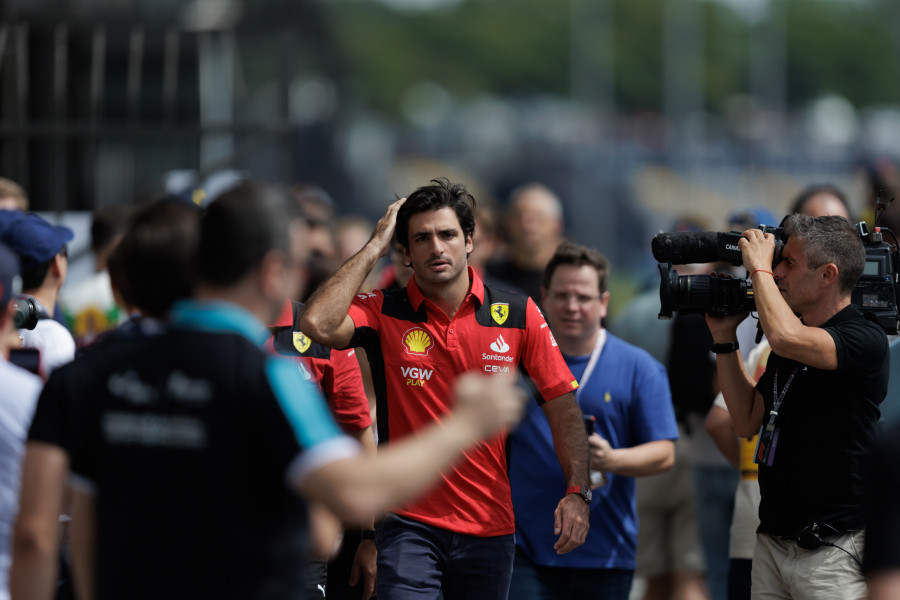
{"x":582,"y":490}
{"x":726,"y":348}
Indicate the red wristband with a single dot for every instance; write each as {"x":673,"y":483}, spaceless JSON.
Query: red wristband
{"x":761,"y":271}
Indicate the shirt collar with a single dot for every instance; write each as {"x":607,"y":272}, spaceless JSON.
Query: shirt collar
{"x":218,"y":315}
{"x":476,"y":290}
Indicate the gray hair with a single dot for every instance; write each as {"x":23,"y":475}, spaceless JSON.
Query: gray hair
{"x":830,"y":239}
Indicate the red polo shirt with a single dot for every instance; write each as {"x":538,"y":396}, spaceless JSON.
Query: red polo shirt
{"x":336,"y":371}
{"x":416,"y":353}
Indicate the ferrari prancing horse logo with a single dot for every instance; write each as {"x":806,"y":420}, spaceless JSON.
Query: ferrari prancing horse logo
{"x":499,"y":312}
{"x":301,"y":342}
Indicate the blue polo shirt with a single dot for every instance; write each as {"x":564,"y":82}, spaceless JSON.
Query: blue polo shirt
{"x":628,"y":393}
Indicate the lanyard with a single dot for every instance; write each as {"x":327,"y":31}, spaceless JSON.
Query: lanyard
{"x":777,"y":398}
{"x":592,"y":362}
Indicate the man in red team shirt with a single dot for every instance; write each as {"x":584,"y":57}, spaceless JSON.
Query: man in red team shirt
{"x":457,"y":539}
{"x":350,"y":573}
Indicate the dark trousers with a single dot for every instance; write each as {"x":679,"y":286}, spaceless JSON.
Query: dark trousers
{"x":536,"y":582}
{"x":739,"y":578}
{"x":420,"y":562}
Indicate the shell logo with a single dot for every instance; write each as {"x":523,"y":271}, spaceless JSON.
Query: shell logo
{"x":417,"y":341}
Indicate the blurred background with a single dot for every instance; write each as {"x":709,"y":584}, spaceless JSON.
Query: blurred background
{"x":635,"y":113}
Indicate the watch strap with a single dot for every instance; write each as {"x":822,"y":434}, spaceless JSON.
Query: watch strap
{"x":582,"y":490}
{"x":726,"y":348}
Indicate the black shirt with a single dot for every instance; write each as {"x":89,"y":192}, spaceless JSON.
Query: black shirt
{"x":187,"y":440}
{"x":826,"y":425}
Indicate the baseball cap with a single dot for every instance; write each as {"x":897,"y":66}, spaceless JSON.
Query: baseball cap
{"x":34,"y":238}
{"x":10,"y":282}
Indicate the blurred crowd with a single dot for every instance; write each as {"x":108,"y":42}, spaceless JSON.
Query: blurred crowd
{"x":666,"y":464}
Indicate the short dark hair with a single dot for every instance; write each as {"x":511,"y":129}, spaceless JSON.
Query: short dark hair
{"x":240,"y":227}
{"x":33,"y":277}
{"x":440,"y":194}
{"x":830,"y":239}
{"x":153,"y":264}
{"x":814,"y":190}
{"x":569,"y":253}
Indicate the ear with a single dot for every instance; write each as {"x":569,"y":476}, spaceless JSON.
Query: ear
{"x":829,"y":274}
{"x":604,"y":304}
{"x":407,"y":262}
{"x":604,"y":299}
{"x":469,"y":245}
{"x":56,"y":266}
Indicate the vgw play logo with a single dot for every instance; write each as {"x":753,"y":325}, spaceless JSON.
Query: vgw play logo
{"x":416,"y":376}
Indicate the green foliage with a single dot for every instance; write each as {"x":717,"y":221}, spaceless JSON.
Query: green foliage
{"x":513,"y":47}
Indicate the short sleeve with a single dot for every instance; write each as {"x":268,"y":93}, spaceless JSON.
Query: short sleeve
{"x":300,"y":430}
{"x":860,"y":345}
{"x":365,"y":311}
{"x":542,"y":359}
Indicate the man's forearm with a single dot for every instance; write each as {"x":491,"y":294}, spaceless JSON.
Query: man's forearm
{"x":569,"y":438}
{"x":644,"y":459}
{"x":83,"y":544}
{"x":327,"y":308}
{"x":776,"y":318}
{"x":358,"y":489}
{"x":361,"y":488}
{"x":35,"y":546}
{"x":720,"y":428}
{"x":740,"y":395}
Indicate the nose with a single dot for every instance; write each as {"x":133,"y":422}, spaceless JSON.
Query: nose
{"x":571,"y":302}
{"x":436,"y":248}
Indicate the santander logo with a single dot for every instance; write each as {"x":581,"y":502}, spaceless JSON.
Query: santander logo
{"x":500,"y":345}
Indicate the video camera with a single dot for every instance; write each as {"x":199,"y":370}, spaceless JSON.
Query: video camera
{"x":877,"y":294}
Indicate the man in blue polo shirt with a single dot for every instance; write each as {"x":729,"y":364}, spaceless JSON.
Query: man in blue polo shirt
{"x":624,"y":394}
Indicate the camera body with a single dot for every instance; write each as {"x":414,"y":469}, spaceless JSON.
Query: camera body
{"x":877,"y":293}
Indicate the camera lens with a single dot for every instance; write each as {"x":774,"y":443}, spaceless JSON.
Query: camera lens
{"x":702,"y":294}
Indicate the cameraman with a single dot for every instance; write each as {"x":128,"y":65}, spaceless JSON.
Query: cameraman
{"x":815,"y":407}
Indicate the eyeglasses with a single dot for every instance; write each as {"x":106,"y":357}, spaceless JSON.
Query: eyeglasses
{"x":563,"y":298}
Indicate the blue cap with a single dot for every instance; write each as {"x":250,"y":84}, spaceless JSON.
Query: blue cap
{"x":751,"y":218}
{"x":34,"y":239}
{"x":10,"y":282}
